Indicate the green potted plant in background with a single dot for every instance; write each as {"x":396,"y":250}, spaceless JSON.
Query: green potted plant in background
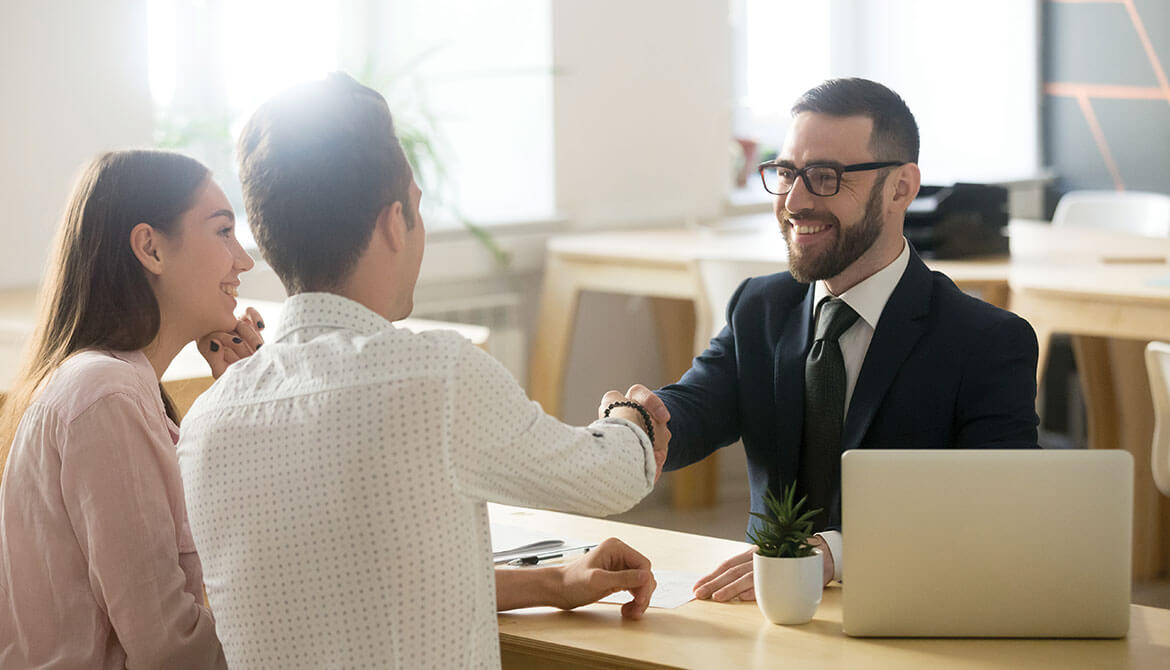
{"x":423,"y":141}
{"x":787,"y":570}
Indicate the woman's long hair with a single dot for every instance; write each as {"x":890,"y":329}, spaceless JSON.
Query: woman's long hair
{"x":96,"y":293}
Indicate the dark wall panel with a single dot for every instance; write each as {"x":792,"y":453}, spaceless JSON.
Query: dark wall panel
{"x":1090,"y":49}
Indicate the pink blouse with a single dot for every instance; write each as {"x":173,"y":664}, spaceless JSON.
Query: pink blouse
{"x":97,"y":565}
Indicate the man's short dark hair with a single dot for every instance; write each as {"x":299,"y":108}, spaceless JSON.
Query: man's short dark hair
{"x":895,"y":133}
{"x":318,"y":163}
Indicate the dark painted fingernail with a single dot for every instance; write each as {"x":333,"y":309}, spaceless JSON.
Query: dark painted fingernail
{"x":237,"y":340}
{"x":214,"y":346}
{"x":260,"y":325}
{"x":258,"y":347}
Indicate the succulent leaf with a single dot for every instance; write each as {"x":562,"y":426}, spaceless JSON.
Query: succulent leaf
{"x":785,"y":528}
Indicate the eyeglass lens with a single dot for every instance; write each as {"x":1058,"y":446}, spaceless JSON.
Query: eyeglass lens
{"x":820,"y":180}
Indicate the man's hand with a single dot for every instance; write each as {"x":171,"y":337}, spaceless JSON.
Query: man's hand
{"x":610,"y":567}
{"x":659,"y":417}
{"x":733,"y":579}
{"x":223,"y":348}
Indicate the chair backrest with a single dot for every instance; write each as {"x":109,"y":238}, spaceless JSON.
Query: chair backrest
{"x":720,"y":278}
{"x":1158,"y":366}
{"x":1120,"y":211}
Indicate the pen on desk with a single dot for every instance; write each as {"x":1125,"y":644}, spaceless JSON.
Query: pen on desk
{"x":533,"y":560}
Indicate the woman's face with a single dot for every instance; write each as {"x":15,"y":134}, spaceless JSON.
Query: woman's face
{"x":198,"y":286}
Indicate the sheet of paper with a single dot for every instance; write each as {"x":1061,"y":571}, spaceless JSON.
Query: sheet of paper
{"x":674,"y":590}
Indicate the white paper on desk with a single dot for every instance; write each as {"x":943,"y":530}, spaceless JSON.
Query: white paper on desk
{"x":674,"y":590}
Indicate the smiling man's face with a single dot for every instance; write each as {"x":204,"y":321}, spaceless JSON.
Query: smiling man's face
{"x":827,"y":235}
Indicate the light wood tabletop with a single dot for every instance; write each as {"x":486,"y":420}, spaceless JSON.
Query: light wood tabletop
{"x":705,"y":634}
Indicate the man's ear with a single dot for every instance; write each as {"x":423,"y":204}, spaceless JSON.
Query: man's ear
{"x":145,"y":242}
{"x":392,"y":224}
{"x":907,"y":179}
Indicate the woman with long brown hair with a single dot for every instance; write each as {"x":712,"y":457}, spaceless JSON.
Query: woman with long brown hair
{"x":97,"y":565}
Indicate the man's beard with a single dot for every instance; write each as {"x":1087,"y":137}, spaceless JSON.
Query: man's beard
{"x":851,"y":242}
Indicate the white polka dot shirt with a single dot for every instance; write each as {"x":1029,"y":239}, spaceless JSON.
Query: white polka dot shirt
{"x":336,"y":484}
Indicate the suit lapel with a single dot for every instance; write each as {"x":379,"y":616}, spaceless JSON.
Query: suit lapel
{"x":902,"y":323}
{"x":791,"y":350}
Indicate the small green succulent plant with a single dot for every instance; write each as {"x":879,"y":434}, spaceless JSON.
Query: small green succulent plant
{"x":784,"y":529}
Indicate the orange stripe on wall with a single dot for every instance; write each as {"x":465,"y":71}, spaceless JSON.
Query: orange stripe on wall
{"x":1099,"y":138}
{"x":1149,"y":47}
{"x":1112,"y":91}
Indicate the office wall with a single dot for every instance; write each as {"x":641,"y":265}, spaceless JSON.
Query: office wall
{"x":641,"y":109}
{"x":1107,"y":98}
{"x":74,"y":83}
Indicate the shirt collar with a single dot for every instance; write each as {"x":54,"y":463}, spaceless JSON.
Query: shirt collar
{"x":145,"y":374}
{"x":869,"y":297}
{"x":327,"y":310}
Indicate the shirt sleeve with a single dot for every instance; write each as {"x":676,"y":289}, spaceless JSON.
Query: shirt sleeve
{"x":834,"y":542}
{"x":115,"y":485}
{"x":505,"y":449}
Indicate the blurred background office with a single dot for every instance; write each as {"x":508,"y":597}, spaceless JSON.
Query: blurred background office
{"x":532,"y":118}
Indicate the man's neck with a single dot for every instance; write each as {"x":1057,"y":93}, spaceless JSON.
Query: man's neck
{"x":371,"y":288}
{"x":877,"y":258}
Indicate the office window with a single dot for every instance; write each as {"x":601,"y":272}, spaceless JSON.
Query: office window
{"x":782,"y":50}
{"x":969,"y":69}
{"x":470,"y":77}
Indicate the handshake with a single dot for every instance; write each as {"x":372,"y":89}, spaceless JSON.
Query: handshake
{"x":654,"y":421}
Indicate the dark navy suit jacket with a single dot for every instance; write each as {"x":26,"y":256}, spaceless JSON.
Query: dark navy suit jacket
{"x":944,"y":370}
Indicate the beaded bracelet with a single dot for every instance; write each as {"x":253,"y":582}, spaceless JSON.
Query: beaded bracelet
{"x":641,"y":410}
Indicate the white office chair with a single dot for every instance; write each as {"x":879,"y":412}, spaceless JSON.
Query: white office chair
{"x":720,"y":277}
{"x":1121,"y":211}
{"x":1158,"y":367}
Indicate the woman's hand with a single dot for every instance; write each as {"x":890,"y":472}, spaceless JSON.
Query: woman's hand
{"x":222,"y":348}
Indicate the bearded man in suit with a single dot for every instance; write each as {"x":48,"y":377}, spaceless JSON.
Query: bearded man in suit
{"x":858,"y":345}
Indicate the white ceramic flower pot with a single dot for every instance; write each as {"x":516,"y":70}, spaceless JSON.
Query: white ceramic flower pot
{"x":788,"y":590}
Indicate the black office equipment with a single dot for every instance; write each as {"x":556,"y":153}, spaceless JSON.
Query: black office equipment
{"x":958,"y":221}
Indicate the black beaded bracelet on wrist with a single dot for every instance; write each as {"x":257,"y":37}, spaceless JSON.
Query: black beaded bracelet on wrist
{"x":641,"y":410}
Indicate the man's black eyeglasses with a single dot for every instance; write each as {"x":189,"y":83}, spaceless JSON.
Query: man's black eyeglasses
{"x":822,"y":179}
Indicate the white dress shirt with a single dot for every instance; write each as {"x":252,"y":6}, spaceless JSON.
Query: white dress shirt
{"x":868,"y":298}
{"x":336,"y":485}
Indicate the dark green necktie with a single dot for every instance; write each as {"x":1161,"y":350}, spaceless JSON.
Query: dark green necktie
{"x":824,"y":413}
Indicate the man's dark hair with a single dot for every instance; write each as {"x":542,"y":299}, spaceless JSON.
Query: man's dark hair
{"x":318,"y":163}
{"x":895,"y":133}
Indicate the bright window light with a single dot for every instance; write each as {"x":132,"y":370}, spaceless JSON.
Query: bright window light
{"x":472,"y":77}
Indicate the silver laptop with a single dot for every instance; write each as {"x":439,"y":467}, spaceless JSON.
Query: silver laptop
{"x":987,"y":543}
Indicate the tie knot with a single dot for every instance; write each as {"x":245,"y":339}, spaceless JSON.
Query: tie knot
{"x":835,"y":319}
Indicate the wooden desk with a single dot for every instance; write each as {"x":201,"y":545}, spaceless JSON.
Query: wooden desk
{"x":188,"y":375}
{"x":704,"y":634}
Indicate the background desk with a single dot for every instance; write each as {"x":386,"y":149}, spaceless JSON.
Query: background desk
{"x":1055,"y":278}
{"x":705,"y":634}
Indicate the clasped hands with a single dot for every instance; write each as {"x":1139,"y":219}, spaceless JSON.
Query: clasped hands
{"x":659,"y":417}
